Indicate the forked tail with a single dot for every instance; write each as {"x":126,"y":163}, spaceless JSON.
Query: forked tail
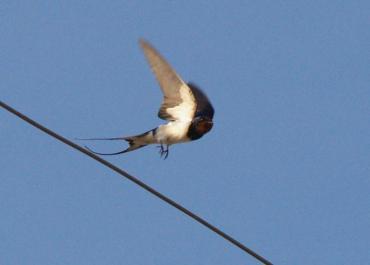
{"x":135,"y":142}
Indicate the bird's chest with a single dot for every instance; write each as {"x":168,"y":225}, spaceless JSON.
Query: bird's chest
{"x":173,"y":132}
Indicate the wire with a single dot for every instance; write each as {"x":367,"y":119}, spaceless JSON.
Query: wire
{"x":138,"y":182}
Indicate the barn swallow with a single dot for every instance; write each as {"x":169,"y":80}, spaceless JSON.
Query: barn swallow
{"x":185,"y":106}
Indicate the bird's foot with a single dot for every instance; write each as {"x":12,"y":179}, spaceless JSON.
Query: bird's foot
{"x":162,"y":151}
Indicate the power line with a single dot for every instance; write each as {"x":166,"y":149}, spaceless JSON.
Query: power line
{"x":138,"y":182}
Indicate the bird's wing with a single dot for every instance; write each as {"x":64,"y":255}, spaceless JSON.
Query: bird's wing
{"x":179,"y":102}
{"x":204,"y":107}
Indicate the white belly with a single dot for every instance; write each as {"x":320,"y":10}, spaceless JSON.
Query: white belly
{"x":172,"y":132}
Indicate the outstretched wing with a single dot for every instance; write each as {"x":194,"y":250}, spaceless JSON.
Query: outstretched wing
{"x":179,"y":102}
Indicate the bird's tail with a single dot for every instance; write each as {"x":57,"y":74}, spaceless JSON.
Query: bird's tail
{"x":135,"y":142}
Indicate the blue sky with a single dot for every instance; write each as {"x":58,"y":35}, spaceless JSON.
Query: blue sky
{"x":285,"y":169}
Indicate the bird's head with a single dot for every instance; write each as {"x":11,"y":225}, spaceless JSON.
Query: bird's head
{"x":201,"y":125}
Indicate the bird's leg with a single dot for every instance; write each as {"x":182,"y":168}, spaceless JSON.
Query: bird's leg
{"x":162,"y":151}
{"x":167,"y":151}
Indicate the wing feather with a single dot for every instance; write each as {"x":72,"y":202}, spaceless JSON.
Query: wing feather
{"x":204,"y":107}
{"x":179,"y":102}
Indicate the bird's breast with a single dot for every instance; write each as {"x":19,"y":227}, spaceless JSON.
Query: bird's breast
{"x":172,"y":132}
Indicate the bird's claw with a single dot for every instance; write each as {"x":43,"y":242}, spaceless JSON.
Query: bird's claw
{"x":162,"y":151}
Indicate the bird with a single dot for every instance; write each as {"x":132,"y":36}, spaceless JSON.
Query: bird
{"x":185,"y":107}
